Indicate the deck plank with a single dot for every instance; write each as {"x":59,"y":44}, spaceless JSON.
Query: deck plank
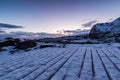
{"x":71,"y":63}
{"x":99,"y":69}
{"x":114,"y":60}
{"x":86,"y":73}
{"x":70,"y":70}
{"x":112,"y":71}
{"x":43,"y":68}
{"x":18,"y":73}
{"x":55,"y":68}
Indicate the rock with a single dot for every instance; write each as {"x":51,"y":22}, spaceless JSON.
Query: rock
{"x":26,"y":44}
{"x":9,"y":42}
{"x":47,"y":45}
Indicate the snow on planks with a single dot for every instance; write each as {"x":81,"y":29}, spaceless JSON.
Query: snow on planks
{"x":71,"y":63}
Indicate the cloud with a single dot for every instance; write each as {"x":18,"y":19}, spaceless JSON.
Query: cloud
{"x":89,"y":24}
{"x":76,"y":32}
{"x":2,"y":31}
{"x":3,"y":25}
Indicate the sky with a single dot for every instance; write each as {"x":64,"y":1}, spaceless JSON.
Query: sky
{"x":52,"y":15}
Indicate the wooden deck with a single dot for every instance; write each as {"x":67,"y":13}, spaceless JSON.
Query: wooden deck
{"x":64,"y":64}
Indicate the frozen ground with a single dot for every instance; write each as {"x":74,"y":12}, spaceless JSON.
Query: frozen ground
{"x":75,"y":62}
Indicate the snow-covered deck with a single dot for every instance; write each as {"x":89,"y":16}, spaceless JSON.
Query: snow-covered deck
{"x":71,"y":63}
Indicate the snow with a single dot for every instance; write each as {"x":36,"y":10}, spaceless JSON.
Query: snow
{"x":74,"y":62}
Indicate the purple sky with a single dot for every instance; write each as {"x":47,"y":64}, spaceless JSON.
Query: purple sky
{"x":52,"y":15}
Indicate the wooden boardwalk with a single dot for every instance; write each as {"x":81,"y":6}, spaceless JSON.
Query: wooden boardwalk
{"x":75,"y":63}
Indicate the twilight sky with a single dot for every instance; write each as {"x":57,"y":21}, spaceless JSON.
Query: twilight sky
{"x":52,"y":15}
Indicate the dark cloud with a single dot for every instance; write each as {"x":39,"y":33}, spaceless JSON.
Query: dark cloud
{"x":89,"y":24}
{"x":3,"y":25}
{"x":76,"y":32}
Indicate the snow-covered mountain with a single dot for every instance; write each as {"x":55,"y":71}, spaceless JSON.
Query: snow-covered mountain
{"x":104,"y":30}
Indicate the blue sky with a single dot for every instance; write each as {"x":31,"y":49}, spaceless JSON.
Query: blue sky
{"x":52,"y":15}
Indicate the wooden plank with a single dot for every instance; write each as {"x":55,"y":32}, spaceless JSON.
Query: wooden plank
{"x":100,"y":72}
{"x":19,"y":73}
{"x":75,"y":67}
{"x":116,"y":52}
{"x":112,"y":72}
{"x":70,"y":70}
{"x":115,"y":61}
{"x":55,"y":68}
{"x":86,"y":73}
{"x":43,"y":68}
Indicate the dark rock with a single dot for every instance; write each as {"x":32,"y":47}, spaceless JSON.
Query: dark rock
{"x":26,"y":44}
{"x":45,"y":46}
{"x":9,"y":42}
